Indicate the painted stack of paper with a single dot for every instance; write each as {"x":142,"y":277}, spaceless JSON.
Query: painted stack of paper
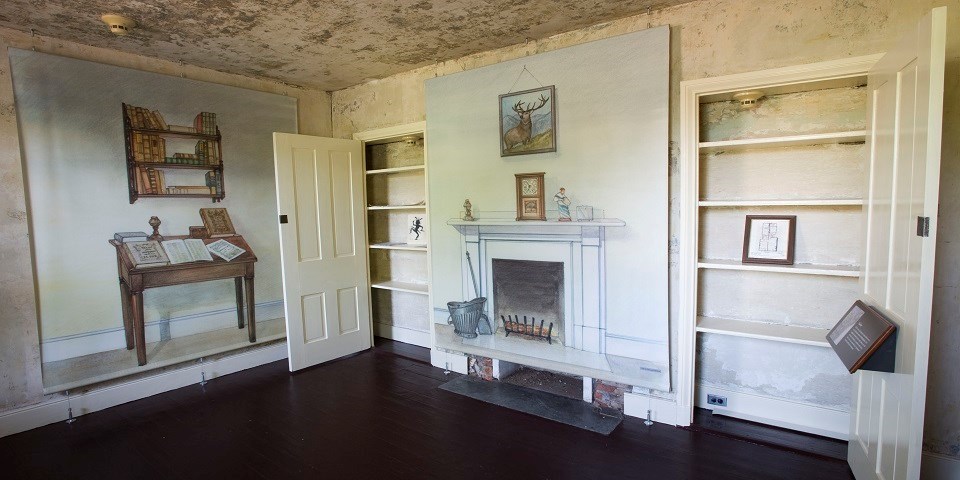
{"x":225,"y":250}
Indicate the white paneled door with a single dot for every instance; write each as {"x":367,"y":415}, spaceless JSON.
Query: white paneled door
{"x":905,"y":112}
{"x":323,"y":247}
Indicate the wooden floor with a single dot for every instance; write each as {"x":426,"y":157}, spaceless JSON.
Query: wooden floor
{"x":829,"y":448}
{"x":377,"y":414}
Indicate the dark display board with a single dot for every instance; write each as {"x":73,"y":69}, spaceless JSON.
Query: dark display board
{"x":864,"y":339}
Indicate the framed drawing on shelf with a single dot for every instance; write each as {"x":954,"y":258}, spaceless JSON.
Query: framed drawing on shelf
{"x":417,"y":229}
{"x":769,"y":239}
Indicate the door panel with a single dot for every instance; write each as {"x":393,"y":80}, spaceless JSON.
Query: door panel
{"x":903,"y":163}
{"x":342,"y":169}
{"x":880,"y":188}
{"x":861,"y":419}
{"x":320,"y":181}
{"x":314,"y":324}
{"x":305,"y":190}
{"x":906,"y":95}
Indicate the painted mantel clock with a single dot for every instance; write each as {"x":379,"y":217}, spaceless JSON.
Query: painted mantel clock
{"x":530,"y":205}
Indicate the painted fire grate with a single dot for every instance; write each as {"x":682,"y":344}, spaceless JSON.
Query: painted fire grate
{"x":511,"y":324}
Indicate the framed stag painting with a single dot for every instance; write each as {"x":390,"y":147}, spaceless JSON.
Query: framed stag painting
{"x":528,"y":122}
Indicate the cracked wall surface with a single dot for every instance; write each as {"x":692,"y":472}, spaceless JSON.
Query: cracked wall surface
{"x":324,"y":44}
{"x":718,"y":37}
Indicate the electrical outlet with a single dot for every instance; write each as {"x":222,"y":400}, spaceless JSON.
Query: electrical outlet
{"x":717,"y":400}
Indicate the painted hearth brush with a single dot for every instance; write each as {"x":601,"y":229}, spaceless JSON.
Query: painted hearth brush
{"x":483,"y":327}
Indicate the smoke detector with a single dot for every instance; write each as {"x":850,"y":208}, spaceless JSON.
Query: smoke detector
{"x":748,"y":99}
{"x":119,"y":25}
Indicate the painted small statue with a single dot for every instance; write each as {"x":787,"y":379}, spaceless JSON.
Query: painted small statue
{"x":468,"y":211}
{"x":563,"y":204}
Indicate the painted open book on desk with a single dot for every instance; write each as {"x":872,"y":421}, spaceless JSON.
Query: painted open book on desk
{"x":186,"y":250}
{"x":147,"y":253}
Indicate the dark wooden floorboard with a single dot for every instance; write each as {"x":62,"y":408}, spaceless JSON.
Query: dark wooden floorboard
{"x":374,"y":415}
{"x":401,"y":349}
{"x":705,"y":421}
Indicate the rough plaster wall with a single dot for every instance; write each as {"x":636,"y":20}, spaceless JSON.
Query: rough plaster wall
{"x":20,"y":376}
{"x":407,"y":310}
{"x":801,"y":113}
{"x":20,"y":380}
{"x":798,"y":373}
{"x":942,"y":422}
{"x":718,"y":37}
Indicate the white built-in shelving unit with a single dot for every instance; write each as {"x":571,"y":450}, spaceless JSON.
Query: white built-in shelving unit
{"x":396,"y":187}
{"x":800,"y":152}
{"x":742,"y":176}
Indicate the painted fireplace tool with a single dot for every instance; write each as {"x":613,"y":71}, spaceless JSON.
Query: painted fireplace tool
{"x":468,"y":317}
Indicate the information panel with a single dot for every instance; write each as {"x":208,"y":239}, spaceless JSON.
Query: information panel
{"x":860,"y":334}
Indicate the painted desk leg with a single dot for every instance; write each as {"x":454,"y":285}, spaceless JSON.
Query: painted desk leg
{"x":251,"y":320}
{"x":136,"y":304}
{"x":127,"y":320}
{"x":238,"y":282}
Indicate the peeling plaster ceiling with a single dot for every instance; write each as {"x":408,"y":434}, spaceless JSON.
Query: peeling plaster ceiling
{"x":324,"y":44}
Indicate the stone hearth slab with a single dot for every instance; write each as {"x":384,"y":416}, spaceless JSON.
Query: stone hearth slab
{"x":575,"y":413}
{"x":557,"y":358}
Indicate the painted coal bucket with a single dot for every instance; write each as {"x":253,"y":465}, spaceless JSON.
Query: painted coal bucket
{"x":466,"y":316}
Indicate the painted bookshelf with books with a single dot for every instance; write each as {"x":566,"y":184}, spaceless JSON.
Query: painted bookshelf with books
{"x":172,"y":161}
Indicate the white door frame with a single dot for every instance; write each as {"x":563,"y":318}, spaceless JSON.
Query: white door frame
{"x":397,"y":132}
{"x":690,"y":93}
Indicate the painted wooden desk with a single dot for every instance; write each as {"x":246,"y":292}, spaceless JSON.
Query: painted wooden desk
{"x":133,"y":281}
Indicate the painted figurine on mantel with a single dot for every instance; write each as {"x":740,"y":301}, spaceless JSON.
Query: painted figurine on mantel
{"x":563,"y":205}
{"x":468,"y":211}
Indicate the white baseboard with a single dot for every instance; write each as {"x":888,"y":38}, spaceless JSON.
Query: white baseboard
{"x":401,"y":334}
{"x":934,"y":466}
{"x":33,"y":416}
{"x":455,"y":362}
{"x":72,"y":346}
{"x":779,"y":412}
{"x":661,"y":411}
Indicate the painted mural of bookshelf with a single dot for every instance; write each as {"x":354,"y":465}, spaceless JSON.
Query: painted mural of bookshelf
{"x":172,"y":161}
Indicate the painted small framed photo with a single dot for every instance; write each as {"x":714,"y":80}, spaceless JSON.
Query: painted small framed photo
{"x":528,"y":122}
{"x":769,"y":239}
{"x":417,"y":229}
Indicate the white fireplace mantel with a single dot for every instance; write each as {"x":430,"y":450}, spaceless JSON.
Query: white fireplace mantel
{"x":580,"y":247}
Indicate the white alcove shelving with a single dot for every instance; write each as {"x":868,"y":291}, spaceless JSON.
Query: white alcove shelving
{"x":396,"y":171}
{"x":754,"y":332}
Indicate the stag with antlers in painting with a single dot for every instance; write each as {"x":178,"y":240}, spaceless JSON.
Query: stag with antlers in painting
{"x":520,"y":135}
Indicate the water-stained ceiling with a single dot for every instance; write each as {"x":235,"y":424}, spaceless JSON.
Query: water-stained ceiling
{"x":325,"y":44}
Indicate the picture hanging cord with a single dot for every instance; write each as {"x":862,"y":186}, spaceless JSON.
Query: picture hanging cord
{"x":521,"y":74}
